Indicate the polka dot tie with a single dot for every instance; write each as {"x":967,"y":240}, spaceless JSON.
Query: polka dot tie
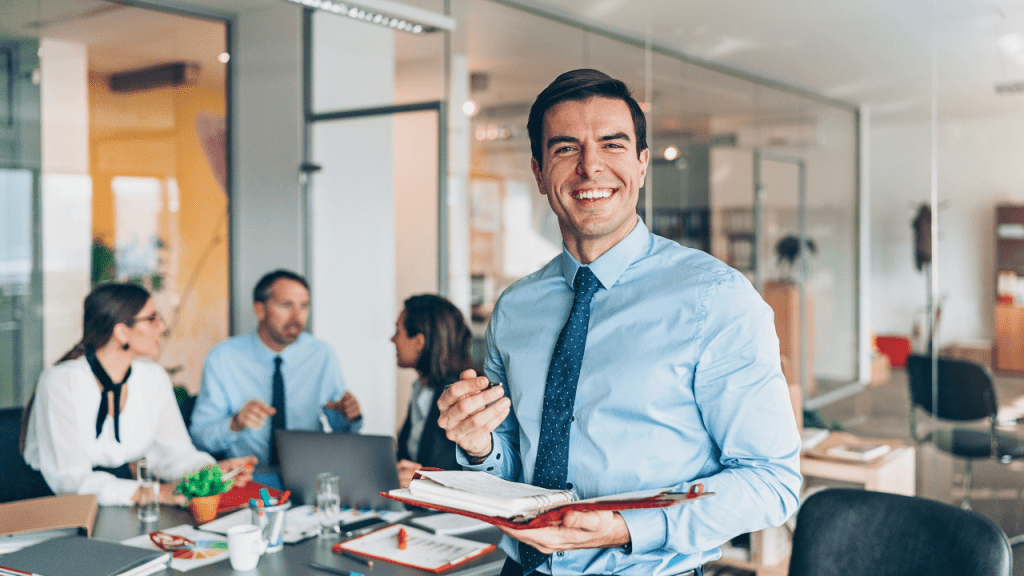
{"x":559,"y":397}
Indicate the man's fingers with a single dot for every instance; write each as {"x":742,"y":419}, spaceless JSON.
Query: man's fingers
{"x":483,"y":422}
{"x":467,"y":405}
{"x":461,"y":389}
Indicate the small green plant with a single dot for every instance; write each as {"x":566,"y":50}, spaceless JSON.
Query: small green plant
{"x":205,"y":482}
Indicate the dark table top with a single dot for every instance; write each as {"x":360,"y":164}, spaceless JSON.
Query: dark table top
{"x":119,"y":523}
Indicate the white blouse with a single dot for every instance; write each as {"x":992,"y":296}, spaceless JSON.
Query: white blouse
{"x":61,"y":437}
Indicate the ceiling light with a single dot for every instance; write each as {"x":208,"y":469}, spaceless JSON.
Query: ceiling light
{"x":469,"y":108}
{"x":386,"y":13}
{"x":671,"y":153}
{"x":224,"y":57}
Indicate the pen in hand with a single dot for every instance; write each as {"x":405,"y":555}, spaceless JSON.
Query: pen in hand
{"x":232,"y":473}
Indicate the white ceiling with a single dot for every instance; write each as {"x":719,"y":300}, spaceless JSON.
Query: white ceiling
{"x":869,"y":52}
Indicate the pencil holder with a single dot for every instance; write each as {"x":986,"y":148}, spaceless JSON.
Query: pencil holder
{"x":270,"y":519}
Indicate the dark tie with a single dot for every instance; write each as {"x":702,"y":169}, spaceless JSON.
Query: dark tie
{"x":278,"y":402}
{"x":559,"y":398}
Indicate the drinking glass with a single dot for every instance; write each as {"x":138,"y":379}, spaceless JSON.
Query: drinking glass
{"x":328,"y":502}
{"x":149,"y":491}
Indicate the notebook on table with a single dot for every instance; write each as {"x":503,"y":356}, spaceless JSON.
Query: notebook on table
{"x":83,"y":557}
{"x":366,"y":465}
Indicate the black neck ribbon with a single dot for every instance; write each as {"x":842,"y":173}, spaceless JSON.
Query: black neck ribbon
{"x":108,"y":386}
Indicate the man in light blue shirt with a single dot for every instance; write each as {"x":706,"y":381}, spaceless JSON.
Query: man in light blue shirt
{"x":680,"y":380}
{"x":235,"y":407}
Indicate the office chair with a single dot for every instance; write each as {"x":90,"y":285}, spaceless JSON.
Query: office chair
{"x":848,"y":532}
{"x":18,"y":480}
{"x":966,"y":394}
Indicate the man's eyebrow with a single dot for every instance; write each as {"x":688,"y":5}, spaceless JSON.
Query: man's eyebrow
{"x":571,"y":140}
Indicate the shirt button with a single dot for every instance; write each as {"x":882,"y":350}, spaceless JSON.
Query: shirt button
{"x":568,"y":485}
{"x":561,"y":553}
{"x":572,"y":418}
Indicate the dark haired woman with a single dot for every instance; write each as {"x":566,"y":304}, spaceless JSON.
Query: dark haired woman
{"x":432,"y":337}
{"x":102,"y":407}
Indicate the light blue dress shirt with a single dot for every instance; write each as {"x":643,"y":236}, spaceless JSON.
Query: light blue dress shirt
{"x":241,"y":368}
{"x":681,"y":382}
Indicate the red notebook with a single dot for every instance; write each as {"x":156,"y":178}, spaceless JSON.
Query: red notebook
{"x":551,"y":514}
{"x":239,"y":496}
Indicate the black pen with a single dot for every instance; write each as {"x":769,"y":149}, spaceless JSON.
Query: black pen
{"x":334,"y":570}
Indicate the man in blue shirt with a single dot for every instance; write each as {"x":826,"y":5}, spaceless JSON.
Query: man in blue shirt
{"x":235,"y":412}
{"x":680,"y":380}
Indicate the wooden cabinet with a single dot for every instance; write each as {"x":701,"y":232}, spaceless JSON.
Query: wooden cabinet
{"x":784,"y":299}
{"x":1009,"y":348}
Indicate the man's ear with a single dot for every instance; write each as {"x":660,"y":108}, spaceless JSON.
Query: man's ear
{"x":645,"y":155}
{"x":538,"y":174}
{"x":260,"y":310}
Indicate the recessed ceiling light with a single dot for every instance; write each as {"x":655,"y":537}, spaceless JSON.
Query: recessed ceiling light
{"x":671,"y":153}
{"x":469,"y":108}
{"x":224,"y":57}
{"x":386,"y":13}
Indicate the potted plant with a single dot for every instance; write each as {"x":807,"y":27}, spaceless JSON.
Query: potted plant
{"x":203,"y":489}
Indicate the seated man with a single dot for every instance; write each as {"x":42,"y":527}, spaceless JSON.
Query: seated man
{"x":280,"y":373}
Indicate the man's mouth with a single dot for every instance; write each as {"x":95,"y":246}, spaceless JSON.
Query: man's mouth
{"x":595,"y":194}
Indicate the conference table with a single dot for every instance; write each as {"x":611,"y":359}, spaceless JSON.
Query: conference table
{"x":118,"y":523}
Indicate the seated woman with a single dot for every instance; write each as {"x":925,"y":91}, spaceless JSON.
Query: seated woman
{"x":432,"y":337}
{"x":101,"y":407}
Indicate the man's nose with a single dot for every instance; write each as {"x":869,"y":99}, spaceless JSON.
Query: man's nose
{"x":590,"y":162}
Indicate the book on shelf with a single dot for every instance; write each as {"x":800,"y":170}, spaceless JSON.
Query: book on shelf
{"x":83,"y":557}
{"x":859,"y":451}
{"x":500,"y":502}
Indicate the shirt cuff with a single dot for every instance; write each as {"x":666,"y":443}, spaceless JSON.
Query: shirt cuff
{"x":648,"y":530}
{"x":490,"y":464}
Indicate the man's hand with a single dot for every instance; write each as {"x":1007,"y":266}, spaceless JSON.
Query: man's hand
{"x":253,"y":415}
{"x":466,"y":417}
{"x":167,"y":496}
{"x":247,"y":463}
{"x":406,"y":470}
{"x":599,"y":529}
{"x":348,"y":406}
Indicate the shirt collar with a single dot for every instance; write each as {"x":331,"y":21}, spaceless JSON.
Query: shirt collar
{"x":610,"y":265}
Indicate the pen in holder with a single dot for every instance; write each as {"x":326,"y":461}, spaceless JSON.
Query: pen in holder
{"x":270,"y":519}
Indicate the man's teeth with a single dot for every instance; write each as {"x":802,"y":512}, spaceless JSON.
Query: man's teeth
{"x":593,"y":194}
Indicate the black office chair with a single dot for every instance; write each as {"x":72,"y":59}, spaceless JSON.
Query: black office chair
{"x":18,"y":481}
{"x":966,"y":394}
{"x":847,"y":532}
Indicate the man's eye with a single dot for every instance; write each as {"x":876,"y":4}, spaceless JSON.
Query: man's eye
{"x":564,"y":149}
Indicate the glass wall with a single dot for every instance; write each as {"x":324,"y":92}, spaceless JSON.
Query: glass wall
{"x":716,"y":138}
{"x":113,"y":166}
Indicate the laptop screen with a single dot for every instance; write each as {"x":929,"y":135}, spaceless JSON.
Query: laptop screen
{"x":365,"y":464}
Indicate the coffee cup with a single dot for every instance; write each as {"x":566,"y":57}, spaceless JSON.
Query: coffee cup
{"x":245,"y":546}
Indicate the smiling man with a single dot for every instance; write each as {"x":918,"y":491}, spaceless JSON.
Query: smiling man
{"x":277,"y":377}
{"x":629,"y":363}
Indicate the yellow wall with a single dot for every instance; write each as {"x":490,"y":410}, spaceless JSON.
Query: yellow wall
{"x":153,"y":134}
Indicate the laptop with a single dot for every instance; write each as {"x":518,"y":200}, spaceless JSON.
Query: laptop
{"x":366,"y":465}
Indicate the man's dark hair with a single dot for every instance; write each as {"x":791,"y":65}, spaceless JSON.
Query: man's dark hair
{"x":580,"y":85}
{"x":262,"y":292}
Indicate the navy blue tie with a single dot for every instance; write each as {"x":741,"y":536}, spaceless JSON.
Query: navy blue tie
{"x":277,"y":420}
{"x":552,"y":465}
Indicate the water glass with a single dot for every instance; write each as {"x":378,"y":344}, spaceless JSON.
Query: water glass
{"x":328,"y":502}
{"x":149,"y":491}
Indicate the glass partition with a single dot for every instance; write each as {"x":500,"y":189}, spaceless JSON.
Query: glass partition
{"x":710,"y":133}
{"x":113,"y":166}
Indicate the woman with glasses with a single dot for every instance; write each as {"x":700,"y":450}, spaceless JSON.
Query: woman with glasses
{"x":103,"y":407}
{"x":431,"y":337}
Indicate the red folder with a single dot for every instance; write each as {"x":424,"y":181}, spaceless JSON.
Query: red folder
{"x":239,"y":496}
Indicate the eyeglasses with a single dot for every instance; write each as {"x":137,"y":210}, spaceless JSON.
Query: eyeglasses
{"x":170,"y":542}
{"x":152,"y":319}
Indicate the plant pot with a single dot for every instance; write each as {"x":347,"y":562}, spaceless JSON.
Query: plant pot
{"x":204,"y":508}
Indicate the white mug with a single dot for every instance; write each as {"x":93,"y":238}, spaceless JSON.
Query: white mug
{"x":245,"y":546}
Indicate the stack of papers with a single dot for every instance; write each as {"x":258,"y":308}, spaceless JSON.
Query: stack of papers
{"x":418,"y":548}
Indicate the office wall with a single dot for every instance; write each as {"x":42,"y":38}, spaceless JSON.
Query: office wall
{"x":980,"y":164}
{"x":353,"y":210}
{"x":266,"y":204}
{"x":66,"y":193}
